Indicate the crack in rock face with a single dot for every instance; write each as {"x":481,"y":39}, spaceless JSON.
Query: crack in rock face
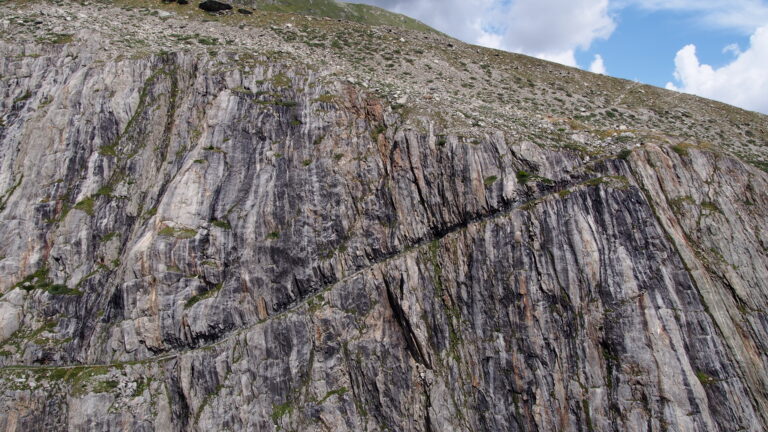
{"x":343,"y":220}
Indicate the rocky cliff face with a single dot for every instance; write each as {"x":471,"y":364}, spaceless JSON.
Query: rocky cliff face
{"x":271,"y":235}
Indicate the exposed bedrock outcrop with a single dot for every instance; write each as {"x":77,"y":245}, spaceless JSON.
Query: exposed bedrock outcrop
{"x":263,"y":247}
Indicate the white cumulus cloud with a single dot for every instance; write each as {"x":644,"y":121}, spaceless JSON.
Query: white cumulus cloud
{"x":463,"y":19}
{"x":744,"y":15}
{"x":733,"y":49}
{"x":743,"y":82}
{"x":598,"y":65}
{"x":549,"y":29}
{"x":555,"y":29}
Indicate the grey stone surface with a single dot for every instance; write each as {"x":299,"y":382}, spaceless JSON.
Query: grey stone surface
{"x":223,"y":242}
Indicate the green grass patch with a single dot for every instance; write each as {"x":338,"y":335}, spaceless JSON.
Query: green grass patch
{"x":221,"y":224}
{"x":360,"y":13}
{"x":490,"y":180}
{"x":105,"y":386}
{"x":285,"y":103}
{"x":338,"y":392}
{"x":86,"y":205}
{"x":108,"y":150}
{"x":105,"y":190}
{"x":624,"y":154}
{"x":209,"y":41}
{"x":55,"y":38}
{"x":141,"y":386}
{"x":597,"y":181}
{"x":80,"y":378}
{"x":203,"y":296}
{"x":7,"y":195}
{"x":681,"y":149}
{"x":314,"y":304}
{"x":242,"y":90}
{"x":280,"y":411}
{"x":711,"y":207}
{"x":380,"y":129}
{"x":23,"y":97}
{"x":524,"y":177}
{"x":617,"y":182}
{"x":59,"y":289}
{"x":62,"y":38}
{"x":281,"y":80}
{"x":761,"y":164}
{"x":678,"y":204}
{"x":325,"y":98}
{"x":705,"y":379}
{"x":180,"y":233}
{"x":40,"y":280}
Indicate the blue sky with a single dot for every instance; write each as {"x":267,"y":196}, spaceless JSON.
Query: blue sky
{"x":644,"y":44}
{"x":713,"y":48}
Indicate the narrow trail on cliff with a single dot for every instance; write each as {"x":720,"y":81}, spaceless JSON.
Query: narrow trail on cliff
{"x":416,"y":247}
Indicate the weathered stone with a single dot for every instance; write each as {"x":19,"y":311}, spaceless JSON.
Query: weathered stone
{"x":250,"y":240}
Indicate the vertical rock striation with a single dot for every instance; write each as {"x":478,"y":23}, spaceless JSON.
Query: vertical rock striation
{"x":238,"y":242}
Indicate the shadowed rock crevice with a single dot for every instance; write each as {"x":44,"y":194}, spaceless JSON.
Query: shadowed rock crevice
{"x":411,"y":340}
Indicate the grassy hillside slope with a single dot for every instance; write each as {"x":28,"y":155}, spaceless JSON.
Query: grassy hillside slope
{"x":360,"y":13}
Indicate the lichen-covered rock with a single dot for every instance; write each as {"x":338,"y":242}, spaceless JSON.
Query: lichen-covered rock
{"x":247,"y":240}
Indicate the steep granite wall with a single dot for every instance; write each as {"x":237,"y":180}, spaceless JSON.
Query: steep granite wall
{"x":242,"y":242}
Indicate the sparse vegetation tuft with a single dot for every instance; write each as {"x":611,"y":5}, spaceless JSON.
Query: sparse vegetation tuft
{"x":39,"y":280}
{"x":624,"y":154}
{"x":203,"y":296}
{"x":280,"y":411}
{"x":179,"y":233}
{"x":523,"y":177}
